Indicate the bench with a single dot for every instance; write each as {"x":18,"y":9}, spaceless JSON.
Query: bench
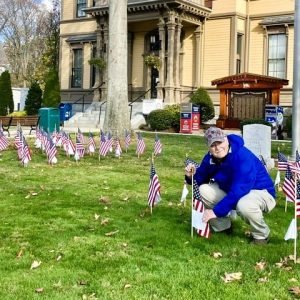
{"x":26,"y":121}
{"x":5,"y":121}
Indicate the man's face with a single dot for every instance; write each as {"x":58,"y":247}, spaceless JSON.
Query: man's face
{"x":219,"y":149}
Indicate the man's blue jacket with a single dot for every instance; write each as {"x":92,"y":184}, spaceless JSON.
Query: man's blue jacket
{"x":240,"y":172}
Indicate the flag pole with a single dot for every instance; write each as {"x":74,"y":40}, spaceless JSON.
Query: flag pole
{"x":192,"y":204}
{"x":295,"y":216}
{"x":184,"y":203}
{"x":152,"y":162}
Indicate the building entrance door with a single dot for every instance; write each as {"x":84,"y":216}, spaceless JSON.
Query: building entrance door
{"x":154,"y":82}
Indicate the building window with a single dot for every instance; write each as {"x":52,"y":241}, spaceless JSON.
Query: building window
{"x":81,"y":4}
{"x":277,"y":55}
{"x":239,"y":45}
{"x":76,"y":81}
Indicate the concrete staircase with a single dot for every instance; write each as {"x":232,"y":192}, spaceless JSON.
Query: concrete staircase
{"x":91,"y":120}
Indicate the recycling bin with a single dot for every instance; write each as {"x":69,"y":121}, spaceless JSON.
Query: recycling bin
{"x":49,"y":119}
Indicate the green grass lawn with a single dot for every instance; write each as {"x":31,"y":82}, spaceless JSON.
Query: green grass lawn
{"x":89,"y":227}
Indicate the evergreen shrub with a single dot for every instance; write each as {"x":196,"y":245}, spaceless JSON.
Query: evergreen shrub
{"x":160,"y":119}
{"x":175,"y":110}
{"x":34,"y":99}
{"x":6,"y":96}
{"x":51,"y":97}
{"x":288,"y":126}
{"x":202,"y":98}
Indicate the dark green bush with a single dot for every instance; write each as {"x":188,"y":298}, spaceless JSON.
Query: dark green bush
{"x":254,"y":121}
{"x":202,"y":98}
{"x":6,"y":96}
{"x":288,"y":125}
{"x":160,"y":119}
{"x":175,"y":110}
{"x":51,"y":97}
{"x":34,"y":99}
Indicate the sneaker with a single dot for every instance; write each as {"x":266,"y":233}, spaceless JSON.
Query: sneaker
{"x":260,"y":241}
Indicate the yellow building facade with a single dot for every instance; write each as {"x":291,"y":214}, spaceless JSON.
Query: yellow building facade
{"x":196,"y":41}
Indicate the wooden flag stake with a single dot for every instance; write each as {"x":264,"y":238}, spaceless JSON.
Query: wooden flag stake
{"x":192,"y":205}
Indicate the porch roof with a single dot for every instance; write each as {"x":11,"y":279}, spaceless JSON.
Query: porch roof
{"x":249,"y":78}
{"x":196,"y":7}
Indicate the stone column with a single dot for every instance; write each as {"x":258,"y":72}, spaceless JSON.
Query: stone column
{"x":169,"y":87}
{"x":97,"y":96}
{"x":129,"y":51}
{"x":105,"y":57}
{"x":162,"y":55}
{"x":177,"y":92}
{"x":198,"y":37}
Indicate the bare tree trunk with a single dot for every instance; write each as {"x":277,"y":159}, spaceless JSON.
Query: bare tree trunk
{"x":117,"y":116}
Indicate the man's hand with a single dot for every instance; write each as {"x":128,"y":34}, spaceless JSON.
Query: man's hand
{"x":208,"y":215}
{"x":189,"y":170}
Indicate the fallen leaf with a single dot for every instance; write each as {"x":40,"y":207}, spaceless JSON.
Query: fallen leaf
{"x":170,"y":203}
{"x":96,"y":217}
{"x":125,"y":245}
{"x":35,"y":264}
{"x":295,"y":290}
{"x":217,"y":255}
{"x":104,"y":221}
{"x":105,"y":208}
{"x":127,"y":286}
{"x":248,"y":233}
{"x":260,"y":265}
{"x":293,"y":280}
{"x":229,"y":277}
{"x":89,"y":297}
{"x":263,"y":279}
{"x":20,"y":253}
{"x":33,"y":193}
{"x":125,"y":198}
{"x":104,"y":199}
{"x":39,"y":290}
{"x":28,"y":196}
{"x":82,"y":282}
{"x":42,"y":187}
{"x":106,"y":188}
{"x":111,"y":233}
{"x":58,"y":258}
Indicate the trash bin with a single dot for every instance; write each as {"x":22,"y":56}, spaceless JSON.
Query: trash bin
{"x":65,"y":111}
{"x":49,"y":119}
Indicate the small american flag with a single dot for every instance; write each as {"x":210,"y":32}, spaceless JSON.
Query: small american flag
{"x":199,"y":207}
{"x":190,"y":161}
{"x":25,"y":156}
{"x":79,"y":147}
{"x":297,"y":160}
{"x":118,"y":149}
{"x":282,"y":162}
{"x":288,"y":184}
{"x":157,"y":145}
{"x":298,"y":199}
{"x":51,"y":154}
{"x":91,"y":143}
{"x":127,"y":139}
{"x":80,"y":136}
{"x":70,"y":147}
{"x":154,"y":187}
{"x":140,"y":146}
{"x":3,"y":141}
{"x":104,"y":146}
